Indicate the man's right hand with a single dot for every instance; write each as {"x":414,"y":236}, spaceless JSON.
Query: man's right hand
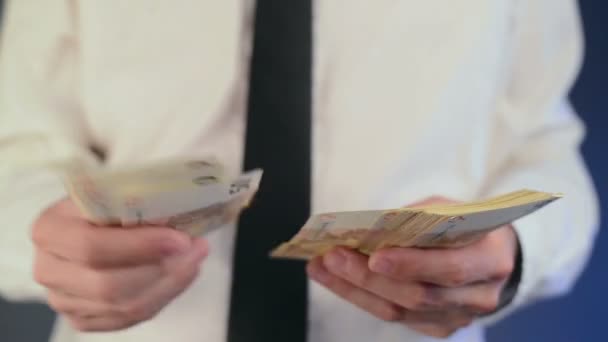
{"x":110,"y":278}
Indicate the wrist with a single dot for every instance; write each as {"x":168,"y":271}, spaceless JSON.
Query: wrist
{"x":510,"y":288}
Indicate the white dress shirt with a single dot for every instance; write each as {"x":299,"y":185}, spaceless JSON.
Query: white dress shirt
{"x":464,"y":99}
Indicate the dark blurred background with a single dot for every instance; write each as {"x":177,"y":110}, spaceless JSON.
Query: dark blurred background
{"x":580,"y":316}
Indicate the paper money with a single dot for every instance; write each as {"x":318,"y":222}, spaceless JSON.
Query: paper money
{"x":192,"y":196}
{"x":196,"y":197}
{"x":432,"y":226}
{"x":197,"y":209}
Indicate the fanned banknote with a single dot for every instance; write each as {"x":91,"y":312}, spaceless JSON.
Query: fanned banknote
{"x":432,"y":226}
{"x":192,"y":196}
{"x":197,"y":197}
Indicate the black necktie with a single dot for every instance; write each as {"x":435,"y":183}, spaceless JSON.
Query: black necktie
{"x":269,"y":296}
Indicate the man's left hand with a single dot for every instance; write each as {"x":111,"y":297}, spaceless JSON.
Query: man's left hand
{"x":432,"y":291}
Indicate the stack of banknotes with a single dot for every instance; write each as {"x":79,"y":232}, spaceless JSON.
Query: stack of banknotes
{"x":193,"y":196}
{"x":438,"y":226}
{"x":196,"y":197}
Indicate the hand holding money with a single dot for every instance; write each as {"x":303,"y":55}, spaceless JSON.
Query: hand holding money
{"x":130,"y":236}
{"x":434,"y":265}
{"x":193,"y":196}
{"x":434,"y":290}
{"x":105,"y":278}
{"x":430,"y":225}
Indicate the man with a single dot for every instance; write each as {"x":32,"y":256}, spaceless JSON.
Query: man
{"x":414,"y":102}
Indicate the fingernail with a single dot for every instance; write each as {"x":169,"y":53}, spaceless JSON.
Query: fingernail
{"x":335,"y":261}
{"x":175,"y":246}
{"x":382,"y":266}
{"x":432,"y":295}
{"x":170,"y":249}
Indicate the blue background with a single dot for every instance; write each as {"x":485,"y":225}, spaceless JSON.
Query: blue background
{"x":580,"y":316}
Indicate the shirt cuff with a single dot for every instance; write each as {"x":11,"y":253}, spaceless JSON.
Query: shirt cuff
{"x":527,"y":272}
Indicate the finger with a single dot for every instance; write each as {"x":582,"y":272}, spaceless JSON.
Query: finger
{"x":108,"y":285}
{"x":433,"y":329}
{"x":361,"y":298}
{"x":478,"y":299}
{"x":443,"y":317}
{"x":483,"y":260}
{"x":100,"y":323}
{"x":353,"y":267}
{"x":79,"y":241}
{"x":434,"y":323}
{"x":75,"y":306}
{"x":183,"y":269}
{"x":437,"y":324}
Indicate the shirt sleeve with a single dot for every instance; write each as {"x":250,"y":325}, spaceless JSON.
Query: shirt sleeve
{"x":536,"y":145}
{"x":41,"y":127}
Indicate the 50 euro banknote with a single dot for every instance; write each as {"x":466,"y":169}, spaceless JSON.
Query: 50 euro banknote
{"x":438,"y":226}
{"x":192,"y":196}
